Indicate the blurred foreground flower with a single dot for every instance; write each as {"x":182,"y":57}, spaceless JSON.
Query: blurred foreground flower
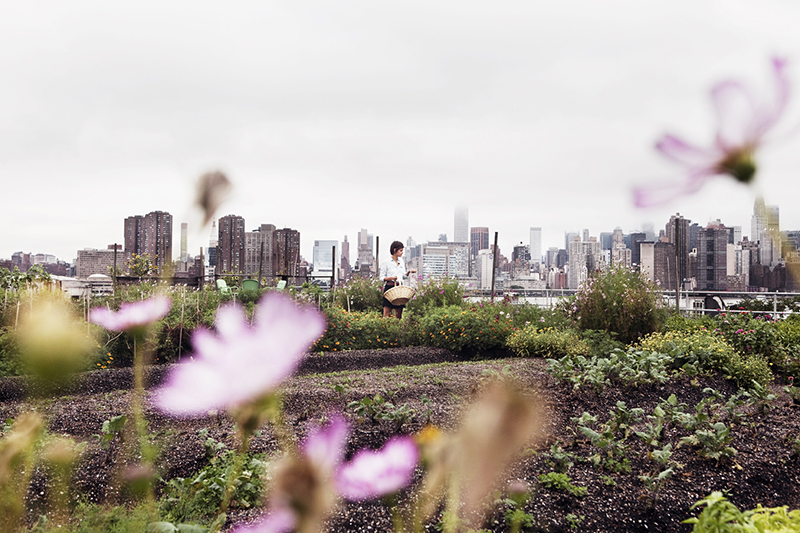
{"x":53,"y":344}
{"x":241,"y":363}
{"x":212,"y":189}
{"x":466,"y":466}
{"x":742,"y":126}
{"x":131,"y":317}
{"x":306,"y":483}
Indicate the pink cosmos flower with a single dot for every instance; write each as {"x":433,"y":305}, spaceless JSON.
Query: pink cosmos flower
{"x":241,"y":362}
{"x":742,"y":126}
{"x":131,"y":316}
{"x":371,"y":474}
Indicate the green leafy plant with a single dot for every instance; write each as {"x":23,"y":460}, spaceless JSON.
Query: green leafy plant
{"x":561,"y":482}
{"x":720,"y":515}
{"x":110,"y":429}
{"x":714,"y":441}
{"x":547,"y":342}
{"x":377,"y":408}
{"x":620,"y":301}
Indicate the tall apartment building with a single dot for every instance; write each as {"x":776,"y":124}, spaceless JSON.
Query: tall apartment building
{"x":478,"y":240}
{"x":212,"y":245}
{"x":230,"y":257}
{"x":461,"y":225}
{"x":150,"y":234}
{"x":285,"y":252}
{"x":258,"y":251}
{"x":712,"y":262}
{"x":535,"y":248}
{"x":134,"y":235}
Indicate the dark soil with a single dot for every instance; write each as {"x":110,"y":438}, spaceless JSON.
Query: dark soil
{"x":764,"y":470}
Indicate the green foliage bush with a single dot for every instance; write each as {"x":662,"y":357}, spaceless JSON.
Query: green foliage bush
{"x":363,"y":331}
{"x":751,"y":335}
{"x":469,"y":331}
{"x":442,"y":292}
{"x":619,"y":300}
{"x":630,"y":367}
{"x":548,"y":343}
{"x":10,"y":363}
{"x":363,"y":294}
{"x":721,"y":516}
{"x":703,"y":350}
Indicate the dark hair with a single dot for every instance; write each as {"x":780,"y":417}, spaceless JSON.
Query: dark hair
{"x":396,"y":245}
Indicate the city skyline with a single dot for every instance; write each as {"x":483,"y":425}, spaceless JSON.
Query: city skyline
{"x":308,"y":241}
{"x":378,"y":116}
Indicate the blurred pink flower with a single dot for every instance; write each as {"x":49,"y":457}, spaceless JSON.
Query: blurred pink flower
{"x":371,"y":473}
{"x":742,"y":126}
{"x":278,"y":521}
{"x":239,"y":362}
{"x":131,"y":316}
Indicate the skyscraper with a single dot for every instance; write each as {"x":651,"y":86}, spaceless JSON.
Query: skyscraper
{"x":231,"y":245}
{"x":323,"y":259}
{"x":134,"y":235}
{"x":212,"y":245}
{"x":712,"y":262}
{"x":678,"y":233}
{"x":536,"y":245}
{"x":345,"y":259}
{"x":478,"y":240}
{"x":184,"y":241}
{"x":461,"y":227}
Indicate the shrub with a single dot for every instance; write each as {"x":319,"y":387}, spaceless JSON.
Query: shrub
{"x":751,"y":335}
{"x":437,"y":292}
{"x":362,"y":331}
{"x":363,"y":294}
{"x":619,"y":300}
{"x":469,"y":330}
{"x":702,"y":350}
{"x":548,"y":343}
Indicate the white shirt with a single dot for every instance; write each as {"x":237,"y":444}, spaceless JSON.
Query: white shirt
{"x":390,"y":269}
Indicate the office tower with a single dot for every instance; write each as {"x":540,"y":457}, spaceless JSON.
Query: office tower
{"x":636,"y":238}
{"x":766,"y":230}
{"x":617,"y":238}
{"x":461,"y":227}
{"x":345,"y":259}
{"x":606,"y":242}
{"x":212,"y":245}
{"x":478,"y":240}
{"x":583,"y":257}
{"x":585,"y":235}
{"x":649,"y":231}
{"x":184,"y":242}
{"x":366,"y":257}
{"x":677,"y":232}
{"x":485,"y":261}
{"x":445,"y":259}
{"x":411,"y":249}
{"x":286,"y":252}
{"x":712,"y":258}
{"x":323,"y":259}
{"x":536,"y":245}
{"x":521,"y":252}
{"x":569,"y":236}
{"x":258,"y":252}
{"x":231,"y":245}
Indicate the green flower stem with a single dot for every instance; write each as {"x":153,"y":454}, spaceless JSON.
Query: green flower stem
{"x":238,"y":463}
{"x":137,"y":407}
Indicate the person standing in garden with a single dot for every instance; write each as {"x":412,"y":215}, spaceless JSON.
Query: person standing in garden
{"x":392,"y":271}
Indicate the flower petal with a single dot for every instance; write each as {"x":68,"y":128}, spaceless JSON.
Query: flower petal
{"x":651,"y":195}
{"x":325,"y":446}
{"x":278,"y":521}
{"x":371,"y":474}
{"x":685,"y":153}
{"x":241,"y":363}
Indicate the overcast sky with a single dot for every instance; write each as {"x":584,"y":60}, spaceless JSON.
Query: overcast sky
{"x":330,"y":117}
